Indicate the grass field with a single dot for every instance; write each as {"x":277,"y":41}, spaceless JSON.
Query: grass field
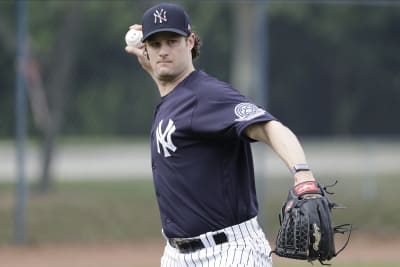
{"x":84,"y":212}
{"x":125,"y":211}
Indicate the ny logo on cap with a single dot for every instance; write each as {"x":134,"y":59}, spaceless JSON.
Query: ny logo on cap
{"x":161,"y":15}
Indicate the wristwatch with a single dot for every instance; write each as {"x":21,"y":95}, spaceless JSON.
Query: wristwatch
{"x":300,"y":167}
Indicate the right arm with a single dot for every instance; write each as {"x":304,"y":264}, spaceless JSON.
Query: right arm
{"x":140,"y":53}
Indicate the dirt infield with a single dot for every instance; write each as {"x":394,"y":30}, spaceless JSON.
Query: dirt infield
{"x":147,"y":254}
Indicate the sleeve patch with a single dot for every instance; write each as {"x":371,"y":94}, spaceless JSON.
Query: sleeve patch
{"x":247,"y":111}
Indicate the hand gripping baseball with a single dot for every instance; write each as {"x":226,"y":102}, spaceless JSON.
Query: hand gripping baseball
{"x":307,"y":231}
{"x":134,"y":38}
{"x":136,"y":47}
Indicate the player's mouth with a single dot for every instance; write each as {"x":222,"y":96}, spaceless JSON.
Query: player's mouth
{"x":164,"y":62}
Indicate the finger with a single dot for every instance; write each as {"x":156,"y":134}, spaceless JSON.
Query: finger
{"x":136,"y":27}
{"x":134,"y":50}
{"x":141,"y":55}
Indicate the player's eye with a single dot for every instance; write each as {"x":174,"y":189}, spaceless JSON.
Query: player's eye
{"x":154,"y":44}
{"x":172,"y":41}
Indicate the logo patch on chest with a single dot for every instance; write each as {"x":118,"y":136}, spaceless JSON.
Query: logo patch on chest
{"x":164,"y":138}
{"x":247,"y":111}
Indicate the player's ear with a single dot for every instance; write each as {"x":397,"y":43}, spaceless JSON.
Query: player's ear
{"x":191,"y":39}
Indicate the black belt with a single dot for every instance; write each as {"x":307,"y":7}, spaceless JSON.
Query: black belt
{"x":188,"y":245}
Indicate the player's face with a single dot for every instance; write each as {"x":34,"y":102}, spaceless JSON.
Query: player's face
{"x":170,"y":55}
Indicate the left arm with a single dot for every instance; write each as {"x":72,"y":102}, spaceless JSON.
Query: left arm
{"x":284,"y":143}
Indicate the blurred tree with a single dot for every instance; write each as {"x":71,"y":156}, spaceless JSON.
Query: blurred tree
{"x":58,"y":76}
{"x":48,"y":105}
{"x":7,"y":67}
{"x":111,"y":96}
{"x":333,"y":68}
{"x":243,"y":56}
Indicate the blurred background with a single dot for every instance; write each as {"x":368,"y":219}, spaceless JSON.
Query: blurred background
{"x":76,"y":111}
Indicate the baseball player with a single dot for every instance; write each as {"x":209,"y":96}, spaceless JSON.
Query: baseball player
{"x":200,"y":151}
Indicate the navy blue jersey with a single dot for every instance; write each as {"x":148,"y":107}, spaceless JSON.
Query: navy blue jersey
{"x":201,"y":158}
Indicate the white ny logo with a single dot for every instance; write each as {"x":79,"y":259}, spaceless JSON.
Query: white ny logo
{"x":160,"y":15}
{"x":164,"y":138}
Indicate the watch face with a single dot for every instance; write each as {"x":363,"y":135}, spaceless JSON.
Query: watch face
{"x":300,"y":167}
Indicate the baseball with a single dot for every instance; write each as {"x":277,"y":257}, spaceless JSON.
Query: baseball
{"x":134,"y":38}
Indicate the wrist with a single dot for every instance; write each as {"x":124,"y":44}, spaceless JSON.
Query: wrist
{"x":300,"y":167}
{"x":303,"y":176}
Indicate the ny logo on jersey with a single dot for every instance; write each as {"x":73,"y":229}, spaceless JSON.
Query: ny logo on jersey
{"x":164,"y":138}
{"x":161,"y":15}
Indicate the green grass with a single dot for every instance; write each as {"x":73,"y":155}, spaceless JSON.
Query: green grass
{"x":85,"y":212}
{"x":122,"y":210}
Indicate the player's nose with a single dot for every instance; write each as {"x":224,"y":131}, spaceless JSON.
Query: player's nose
{"x":164,"y":49}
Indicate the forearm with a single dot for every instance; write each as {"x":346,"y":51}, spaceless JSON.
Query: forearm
{"x":284,"y":143}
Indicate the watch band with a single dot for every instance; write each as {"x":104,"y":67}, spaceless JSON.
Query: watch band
{"x":300,"y":167}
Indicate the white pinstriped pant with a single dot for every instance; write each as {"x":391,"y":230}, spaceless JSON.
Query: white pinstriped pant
{"x":246,"y":246}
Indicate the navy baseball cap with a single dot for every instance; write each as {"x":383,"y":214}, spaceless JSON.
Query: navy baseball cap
{"x":165,"y":17}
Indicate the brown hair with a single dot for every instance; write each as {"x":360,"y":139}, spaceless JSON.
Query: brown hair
{"x":196,"y":47}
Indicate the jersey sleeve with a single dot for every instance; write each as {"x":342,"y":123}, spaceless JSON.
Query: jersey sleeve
{"x":223,"y":112}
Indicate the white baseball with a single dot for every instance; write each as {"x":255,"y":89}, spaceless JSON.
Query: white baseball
{"x":134,"y":38}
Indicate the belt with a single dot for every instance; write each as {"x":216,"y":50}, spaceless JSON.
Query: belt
{"x":189,"y":245}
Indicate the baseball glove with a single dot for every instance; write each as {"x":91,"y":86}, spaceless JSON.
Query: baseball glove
{"x":307,"y":231}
